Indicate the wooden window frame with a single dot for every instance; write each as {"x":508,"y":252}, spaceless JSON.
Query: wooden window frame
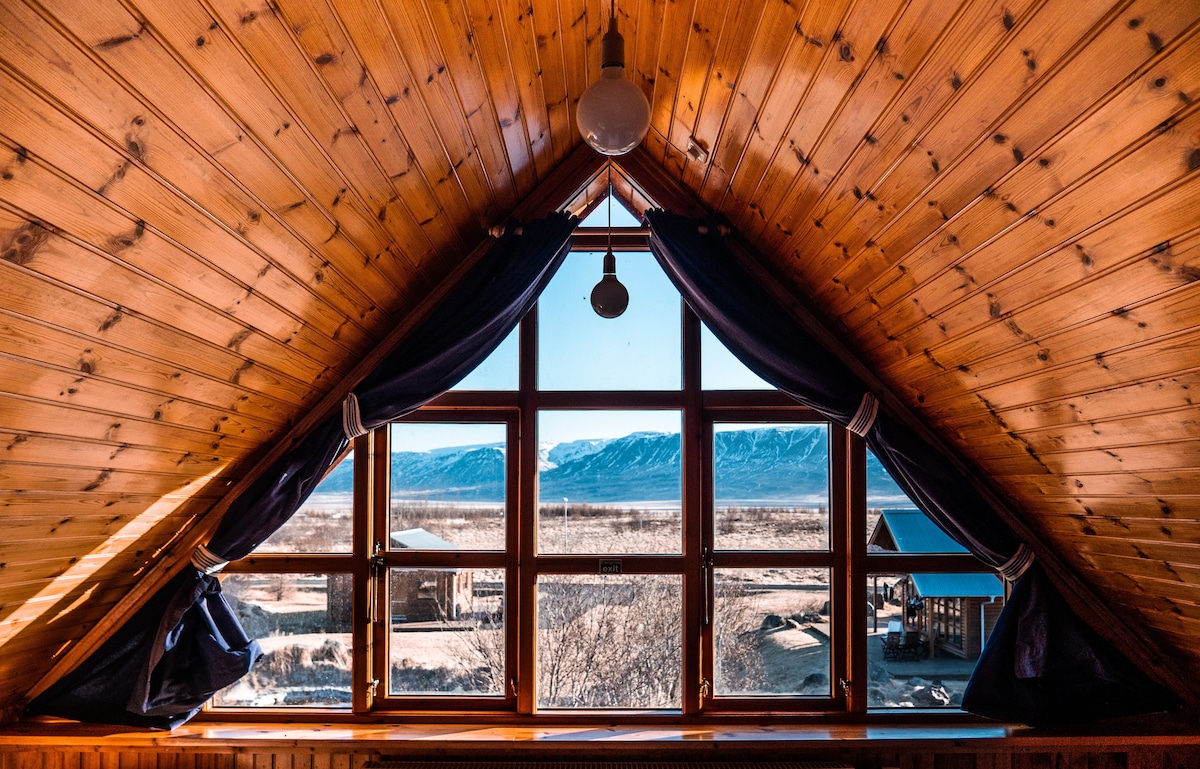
{"x":847,"y":559}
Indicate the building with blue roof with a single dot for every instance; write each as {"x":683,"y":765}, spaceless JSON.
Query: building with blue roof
{"x":955,"y":613}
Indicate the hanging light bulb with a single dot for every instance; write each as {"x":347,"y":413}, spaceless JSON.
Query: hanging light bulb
{"x":609,"y":296}
{"x":613,"y":113}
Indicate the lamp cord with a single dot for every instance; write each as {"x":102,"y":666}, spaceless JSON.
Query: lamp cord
{"x":609,"y":202}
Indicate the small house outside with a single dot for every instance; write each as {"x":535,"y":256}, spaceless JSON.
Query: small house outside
{"x":428,"y":595}
{"x":952,"y":613}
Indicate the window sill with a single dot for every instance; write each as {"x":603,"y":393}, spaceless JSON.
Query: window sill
{"x":676,"y":742}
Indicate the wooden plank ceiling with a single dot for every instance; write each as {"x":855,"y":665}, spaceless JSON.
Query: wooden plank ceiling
{"x":211,"y":209}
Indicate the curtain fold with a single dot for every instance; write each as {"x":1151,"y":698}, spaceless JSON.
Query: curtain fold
{"x":1040,"y":658}
{"x":186,"y":644}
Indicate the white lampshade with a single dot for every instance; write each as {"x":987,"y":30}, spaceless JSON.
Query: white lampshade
{"x":613,"y":113}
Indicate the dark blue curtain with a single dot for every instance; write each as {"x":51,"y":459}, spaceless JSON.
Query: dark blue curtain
{"x":1042,"y":665}
{"x":185,"y":644}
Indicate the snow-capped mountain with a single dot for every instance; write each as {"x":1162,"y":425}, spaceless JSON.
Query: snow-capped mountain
{"x":784,"y":464}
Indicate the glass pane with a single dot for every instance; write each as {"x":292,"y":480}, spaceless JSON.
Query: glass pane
{"x":609,"y":641}
{"x":882,"y":491}
{"x":771,"y":632}
{"x":579,"y":350}
{"x":447,"y":632}
{"x":610,"y":482}
{"x":599,"y":217}
{"x":721,"y":370}
{"x":323,"y":523}
{"x":302,"y":623}
{"x":924,"y":636}
{"x":771,"y":486}
{"x":448,"y":486}
{"x":499,"y":370}
{"x":907,"y":531}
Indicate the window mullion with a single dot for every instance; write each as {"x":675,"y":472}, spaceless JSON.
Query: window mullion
{"x":370,"y":511}
{"x":523,"y":573}
{"x":697,"y":582}
{"x":854,"y":534}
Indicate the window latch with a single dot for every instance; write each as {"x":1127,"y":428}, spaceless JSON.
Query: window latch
{"x":705,"y":688}
{"x":378,"y":569}
{"x":845,"y":684}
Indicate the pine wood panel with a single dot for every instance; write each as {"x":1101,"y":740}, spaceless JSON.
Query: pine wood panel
{"x":327,"y":155}
{"x":116,"y":429}
{"x":734,"y":46}
{"x":965,"y":44}
{"x":1103,"y":370}
{"x":62,"y":142}
{"x":62,"y":258}
{"x":967,"y":120}
{"x":848,"y":54}
{"x":1138,"y":108}
{"x":900,"y":50}
{"x":145,"y":126}
{"x":60,"y":350}
{"x":41,"y":449}
{"x":19,"y":527}
{"x":88,"y":391}
{"x":1173,"y":507}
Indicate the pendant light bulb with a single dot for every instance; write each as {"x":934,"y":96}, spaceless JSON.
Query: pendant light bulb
{"x":613,"y":113}
{"x":610,"y":297}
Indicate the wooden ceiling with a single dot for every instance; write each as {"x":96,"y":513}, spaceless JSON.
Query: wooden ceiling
{"x":210,"y":210}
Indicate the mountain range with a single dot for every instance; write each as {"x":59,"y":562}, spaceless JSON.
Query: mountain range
{"x":779,"y":465}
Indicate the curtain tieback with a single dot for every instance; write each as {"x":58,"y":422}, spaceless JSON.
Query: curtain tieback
{"x":864,"y":417}
{"x":207,"y":561}
{"x":1017,"y":565}
{"x":352,"y":422}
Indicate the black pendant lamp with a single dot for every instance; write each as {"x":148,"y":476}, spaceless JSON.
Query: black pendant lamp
{"x":609,"y":296}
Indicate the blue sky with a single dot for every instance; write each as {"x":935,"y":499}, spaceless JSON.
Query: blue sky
{"x":580,"y":350}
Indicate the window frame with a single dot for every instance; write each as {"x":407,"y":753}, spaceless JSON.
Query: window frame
{"x":848,"y":560}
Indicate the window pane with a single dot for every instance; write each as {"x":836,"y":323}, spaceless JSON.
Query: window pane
{"x":882,"y":490}
{"x":721,"y":370}
{"x":771,"y":632}
{"x":907,"y":531}
{"x":448,"y":484}
{"x":499,"y":370}
{"x":609,"y":641}
{"x":447,"y":632}
{"x":302,"y":622}
{"x":322,"y":524}
{"x":599,"y":217}
{"x":924,"y":636}
{"x":610,"y":482}
{"x":771,"y":486}
{"x":579,"y":350}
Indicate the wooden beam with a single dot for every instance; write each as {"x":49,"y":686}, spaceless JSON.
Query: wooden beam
{"x":571,"y":175}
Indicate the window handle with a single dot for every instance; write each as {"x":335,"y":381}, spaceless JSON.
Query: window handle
{"x":378,"y":567}
{"x":706,"y":578}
